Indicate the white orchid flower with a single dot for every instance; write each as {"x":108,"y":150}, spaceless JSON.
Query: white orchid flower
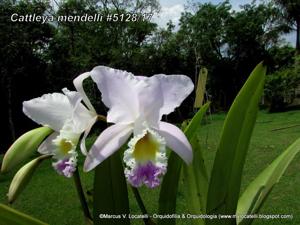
{"x":68,"y":118}
{"x":136,"y":105}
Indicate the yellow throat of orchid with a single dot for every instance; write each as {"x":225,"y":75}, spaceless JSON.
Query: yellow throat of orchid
{"x":146,"y":148}
{"x":65,"y":146}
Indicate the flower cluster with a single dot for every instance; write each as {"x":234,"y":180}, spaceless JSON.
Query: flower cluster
{"x":136,"y":106}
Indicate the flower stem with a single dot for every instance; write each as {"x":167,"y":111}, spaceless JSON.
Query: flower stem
{"x":140,"y":202}
{"x":81,"y":195}
{"x":101,"y":118}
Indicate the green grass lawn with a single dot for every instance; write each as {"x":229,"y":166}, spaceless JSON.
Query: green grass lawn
{"x":53,"y":198}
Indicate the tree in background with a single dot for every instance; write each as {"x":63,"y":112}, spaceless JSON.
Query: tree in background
{"x":282,"y":82}
{"x":228,"y":43}
{"x":291,"y":14}
{"x":22,"y":66}
{"x":83,"y":45}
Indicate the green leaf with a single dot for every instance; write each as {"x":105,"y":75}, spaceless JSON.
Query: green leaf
{"x":24,"y":147}
{"x":191,"y":130}
{"x":229,"y":161}
{"x":196,"y":184}
{"x":195,"y":175}
{"x":110,"y":192}
{"x":22,"y":178}
{"x":200,"y":91}
{"x":257,"y":191}
{"x":10,"y":216}
{"x":169,"y":187}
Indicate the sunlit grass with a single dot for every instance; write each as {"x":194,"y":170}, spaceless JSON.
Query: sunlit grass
{"x":53,"y":198}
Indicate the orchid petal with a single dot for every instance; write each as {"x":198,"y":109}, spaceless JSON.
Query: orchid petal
{"x":176,"y":140}
{"x":81,"y":116}
{"x":119,"y":90}
{"x":162,"y":95}
{"x":174,"y":88}
{"x":150,"y":102}
{"x":86,"y":133}
{"x":69,"y":133}
{"x":50,"y":110}
{"x":79,"y":87}
{"x":47,"y":147}
{"x":109,"y":141}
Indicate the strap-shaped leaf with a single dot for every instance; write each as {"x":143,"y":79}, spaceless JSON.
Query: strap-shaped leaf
{"x":22,"y":177}
{"x":195,"y":175}
{"x":229,"y":161}
{"x":196,"y":183}
{"x":110,"y":192}
{"x":257,"y":191}
{"x":169,"y":187}
{"x":191,"y":130}
{"x":24,"y":147}
{"x":10,"y":216}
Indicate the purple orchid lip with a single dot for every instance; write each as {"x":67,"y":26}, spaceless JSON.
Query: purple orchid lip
{"x":65,"y":167}
{"x":148,"y":174}
{"x":145,"y":159}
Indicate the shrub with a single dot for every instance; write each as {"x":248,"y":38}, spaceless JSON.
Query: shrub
{"x":281,"y":86}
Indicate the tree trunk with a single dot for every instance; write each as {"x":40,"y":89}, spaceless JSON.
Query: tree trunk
{"x":72,"y":40}
{"x":10,"y":112}
{"x":298,"y":37}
